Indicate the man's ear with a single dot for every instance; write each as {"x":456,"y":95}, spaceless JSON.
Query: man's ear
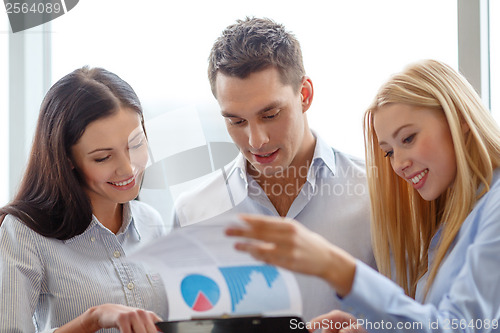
{"x":306,"y":93}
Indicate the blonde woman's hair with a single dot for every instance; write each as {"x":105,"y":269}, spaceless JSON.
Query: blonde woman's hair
{"x":403,"y":222}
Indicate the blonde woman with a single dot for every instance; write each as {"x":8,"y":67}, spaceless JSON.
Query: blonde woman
{"x":433,"y":157}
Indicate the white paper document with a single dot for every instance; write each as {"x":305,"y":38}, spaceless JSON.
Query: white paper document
{"x":204,"y":276}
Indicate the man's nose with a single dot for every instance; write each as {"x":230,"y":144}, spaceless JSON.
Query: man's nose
{"x":257,"y":136}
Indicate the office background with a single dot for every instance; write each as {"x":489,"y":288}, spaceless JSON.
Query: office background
{"x":161,"y":49}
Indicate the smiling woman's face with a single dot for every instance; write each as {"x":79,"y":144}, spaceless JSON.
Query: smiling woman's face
{"x":111,"y":156}
{"x":419,"y":145}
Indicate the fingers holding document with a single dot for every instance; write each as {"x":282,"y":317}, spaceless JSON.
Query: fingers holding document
{"x":286,"y":243}
{"x":126,"y":319}
{"x":337,"y":322}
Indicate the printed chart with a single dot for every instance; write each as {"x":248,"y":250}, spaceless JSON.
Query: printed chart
{"x":207,"y":278}
{"x":200,"y":293}
{"x":249,"y":286}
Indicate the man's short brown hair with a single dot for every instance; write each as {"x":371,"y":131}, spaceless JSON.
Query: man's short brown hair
{"x":255,"y":44}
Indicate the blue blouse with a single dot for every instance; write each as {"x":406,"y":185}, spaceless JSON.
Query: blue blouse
{"x":465,"y":295}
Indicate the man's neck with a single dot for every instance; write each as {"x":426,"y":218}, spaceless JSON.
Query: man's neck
{"x":283,"y":187}
{"x":282,"y":191}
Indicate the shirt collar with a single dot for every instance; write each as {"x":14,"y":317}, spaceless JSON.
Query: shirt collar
{"x":323,"y":154}
{"x":239,"y":166}
{"x":323,"y":157}
{"x":127,"y":223}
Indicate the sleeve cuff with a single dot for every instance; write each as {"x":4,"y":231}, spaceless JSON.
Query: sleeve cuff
{"x":370,"y":292}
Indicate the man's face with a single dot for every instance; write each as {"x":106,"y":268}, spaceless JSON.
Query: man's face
{"x":266,"y":119}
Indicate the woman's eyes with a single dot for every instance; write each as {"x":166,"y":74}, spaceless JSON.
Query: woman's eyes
{"x":137,"y":145}
{"x":409,"y":139}
{"x":99,"y":160}
{"x":406,"y":140}
{"x":131,"y":146}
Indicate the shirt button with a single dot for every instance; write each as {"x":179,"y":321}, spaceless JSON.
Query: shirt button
{"x":116,"y":254}
{"x":241,"y":175}
{"x":92,"y":239}
{"x":130,"y":286}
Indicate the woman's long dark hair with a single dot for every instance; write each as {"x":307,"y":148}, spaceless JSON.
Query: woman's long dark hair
{"x":51,"y":199}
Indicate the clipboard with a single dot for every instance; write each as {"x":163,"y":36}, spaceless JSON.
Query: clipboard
{"x":234,"y":325}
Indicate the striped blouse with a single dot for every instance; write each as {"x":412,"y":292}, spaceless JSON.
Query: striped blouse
{"x":46,"y":282}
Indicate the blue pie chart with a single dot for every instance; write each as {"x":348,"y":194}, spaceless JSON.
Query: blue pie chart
{"x":200,"y":292}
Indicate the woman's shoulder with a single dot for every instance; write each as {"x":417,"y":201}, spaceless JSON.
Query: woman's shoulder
{"x":142,"y":208}
{"x":13,"y":224}
{"x":495,"y":182}
{"x":494,"y":188}
{"x":488,"y":207}
{"x":146,"y":214}
{"x":15,"y":232}
{"x":147,"y":219}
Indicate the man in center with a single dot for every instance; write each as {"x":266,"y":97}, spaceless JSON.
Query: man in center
{"x":284,"y":168}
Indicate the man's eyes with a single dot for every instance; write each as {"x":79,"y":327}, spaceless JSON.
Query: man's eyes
{"x":236,"y":121}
